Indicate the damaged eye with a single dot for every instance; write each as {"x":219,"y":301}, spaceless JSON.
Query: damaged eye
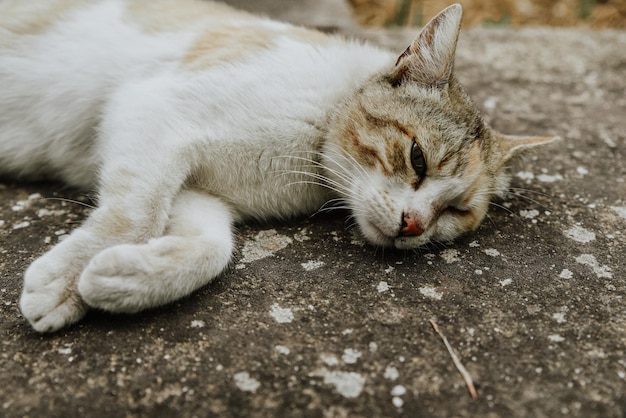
{"x":417,"y":160}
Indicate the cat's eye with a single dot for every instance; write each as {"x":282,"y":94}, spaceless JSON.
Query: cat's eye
{"x":458,"y":211}
{"x":417,"y":160}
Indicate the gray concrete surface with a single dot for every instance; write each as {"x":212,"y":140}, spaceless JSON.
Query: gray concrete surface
{"x":311,"y":322}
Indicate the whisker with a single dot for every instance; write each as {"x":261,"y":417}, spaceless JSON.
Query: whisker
{"x":340,"y":192}
{"x":62,"y":199}
{"x":502,"y":207}
{"x":345,"y":175}
{"x":331,"y":202}
{"x":317,"y":175}
{"x":349,"y":159}
{"x":493,"y":223}
{"x":523,"y":189}
{"x":330,"y":209}
{"x":316,"y":164}
{"x":350,"y":226}
{"x":323,"y":180}
{"x":530,"y":200}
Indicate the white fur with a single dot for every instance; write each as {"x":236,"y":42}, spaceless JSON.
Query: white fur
{"x":196,"y":248}
{"x":96,"y":99}
{"x":180,"y":153}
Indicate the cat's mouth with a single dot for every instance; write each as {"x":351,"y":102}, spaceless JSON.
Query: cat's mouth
{"x":376,"y":235}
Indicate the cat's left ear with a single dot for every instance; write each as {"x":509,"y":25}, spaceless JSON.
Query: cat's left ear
{"x":511,"y":145}
{"x":429,"y":59}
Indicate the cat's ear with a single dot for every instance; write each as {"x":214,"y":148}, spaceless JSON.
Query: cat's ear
{"x":512,"y":145}
{"x":429,"y":60}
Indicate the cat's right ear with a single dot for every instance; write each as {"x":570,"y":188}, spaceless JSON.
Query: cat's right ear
{"x":429,"y":59}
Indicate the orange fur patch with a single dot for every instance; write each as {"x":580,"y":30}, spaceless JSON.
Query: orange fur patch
{"x":474,"y":161}
{"x":469,"y":220}
{"x":231,"y":42}
{"x":22,"y":17}
{"x":175,"y":15}
{"x":227,"y":34}
{"x":365,"y":155}
{"x":397,"y":156}
{"x":227,"y":43}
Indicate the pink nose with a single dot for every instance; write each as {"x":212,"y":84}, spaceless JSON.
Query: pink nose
{"x":410,"y":227}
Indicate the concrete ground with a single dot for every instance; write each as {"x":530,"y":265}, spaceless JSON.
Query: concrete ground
{"x":310,"y":321}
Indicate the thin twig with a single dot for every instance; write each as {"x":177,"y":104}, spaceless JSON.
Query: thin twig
{"x":466,"y":376}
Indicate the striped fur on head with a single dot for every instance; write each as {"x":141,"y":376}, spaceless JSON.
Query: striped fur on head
{"x":418,"y":103}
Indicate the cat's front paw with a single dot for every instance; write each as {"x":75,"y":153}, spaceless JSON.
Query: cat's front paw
{"x":50,"y":300}
{"x":117,"y":278}
{"x":129,"y":278}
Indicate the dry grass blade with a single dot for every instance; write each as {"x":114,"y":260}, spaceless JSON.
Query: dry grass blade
{"x":466,"y":376}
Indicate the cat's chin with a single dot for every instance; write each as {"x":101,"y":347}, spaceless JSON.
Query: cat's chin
{"x":410,"y":243}
{"x":375,"y":235}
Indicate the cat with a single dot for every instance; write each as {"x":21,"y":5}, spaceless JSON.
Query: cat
{"x":189,"y":117}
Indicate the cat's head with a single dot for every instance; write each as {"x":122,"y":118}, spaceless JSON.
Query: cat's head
{"x":410,"y":153}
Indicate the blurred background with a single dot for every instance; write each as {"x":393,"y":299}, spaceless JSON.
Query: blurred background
{"x":381,"y":13}
{"x":591,"y":13}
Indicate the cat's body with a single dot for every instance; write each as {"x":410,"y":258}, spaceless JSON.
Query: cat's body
{"x":273,"y":99}
{"x":189,"y":116}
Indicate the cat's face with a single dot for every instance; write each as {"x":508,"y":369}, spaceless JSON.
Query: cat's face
{"x":414,"y":166}
{"x":409,"y":152}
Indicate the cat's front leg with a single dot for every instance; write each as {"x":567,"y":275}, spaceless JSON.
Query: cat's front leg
{"x":196,"y":248}
{"x":146,"y":159}
{"x":50,"y":299}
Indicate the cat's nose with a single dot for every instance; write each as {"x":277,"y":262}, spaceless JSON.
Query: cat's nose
{"x":411,"y":227}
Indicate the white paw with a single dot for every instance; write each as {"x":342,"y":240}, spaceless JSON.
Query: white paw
{"x":117,"y":278}
{"x":129,"y":278}
{"x":50,"y":300}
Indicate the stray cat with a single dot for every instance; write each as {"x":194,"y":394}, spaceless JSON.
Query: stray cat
{"x":189,"y":116}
